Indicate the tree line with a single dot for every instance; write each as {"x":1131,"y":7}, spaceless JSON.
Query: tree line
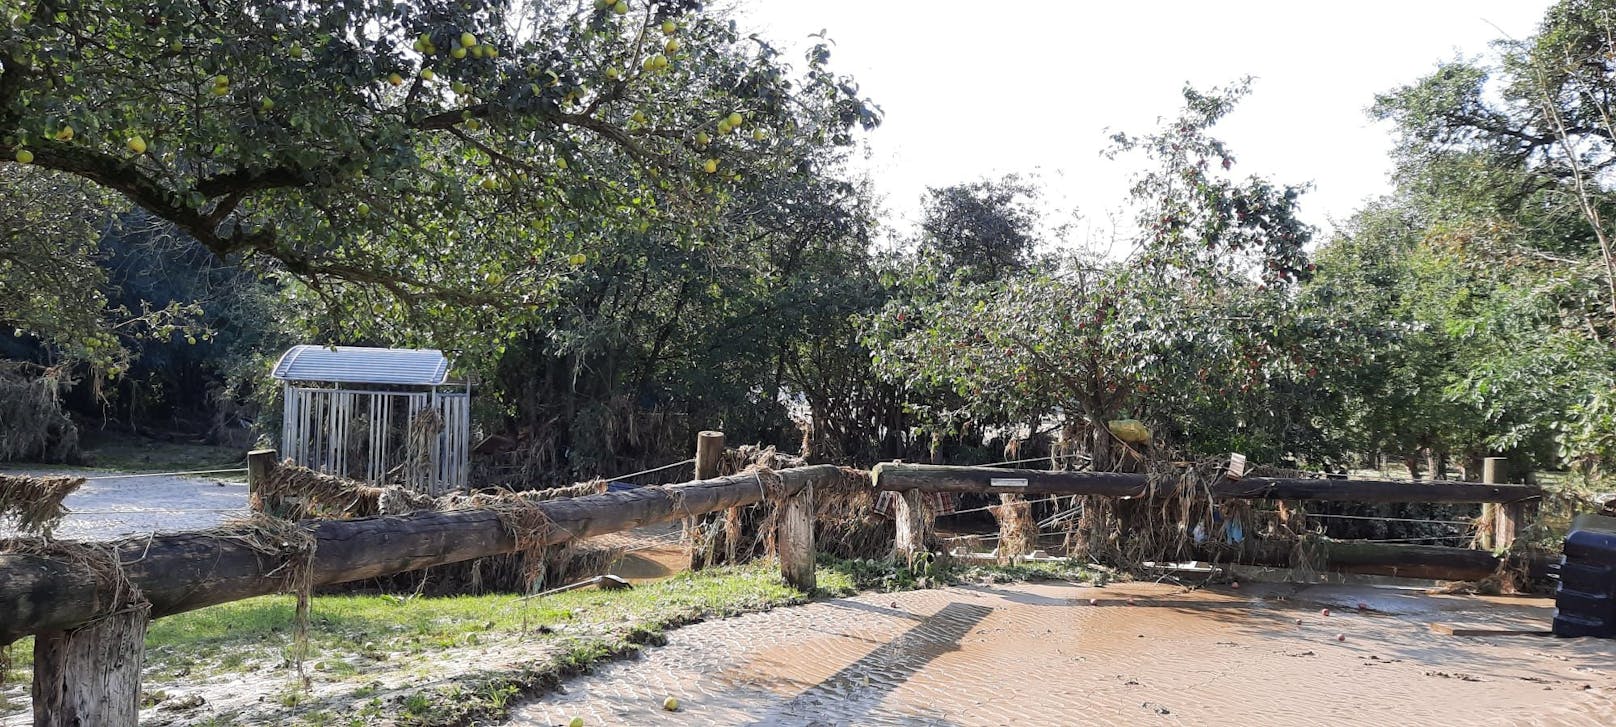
{"x":633,"y":220}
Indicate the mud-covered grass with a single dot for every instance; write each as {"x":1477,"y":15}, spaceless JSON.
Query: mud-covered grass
{"x":840,"y":577}
{"x":455,"y":660}
{"x":369,"y":656}
{"x":131,"y":453}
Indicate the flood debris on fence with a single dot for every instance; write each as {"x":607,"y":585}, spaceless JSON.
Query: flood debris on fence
{"x":33,"y":503}
{"x":1171,"y":511}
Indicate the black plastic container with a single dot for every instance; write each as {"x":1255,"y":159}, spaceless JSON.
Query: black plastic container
{"x":1585,"y":600}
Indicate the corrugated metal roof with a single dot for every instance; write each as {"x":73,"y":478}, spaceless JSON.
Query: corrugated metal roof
{"x":355,"y":364}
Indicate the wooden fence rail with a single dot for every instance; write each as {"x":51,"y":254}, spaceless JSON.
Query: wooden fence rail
{"x":945,"y":478}
{"x":88,"y":652}
{"x":1506,"y":511}
{"x":185,"y":571}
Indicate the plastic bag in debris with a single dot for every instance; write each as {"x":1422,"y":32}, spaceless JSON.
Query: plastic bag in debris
{"x":1131,"y":431}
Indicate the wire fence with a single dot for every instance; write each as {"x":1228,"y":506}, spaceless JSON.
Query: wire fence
{"x":682,"y":471}
{"x":1382,"y":518}
{"x":139,"y":475}
{"x":1053,"y":458}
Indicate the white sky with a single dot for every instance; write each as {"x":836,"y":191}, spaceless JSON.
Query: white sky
{"x":974,"y":89}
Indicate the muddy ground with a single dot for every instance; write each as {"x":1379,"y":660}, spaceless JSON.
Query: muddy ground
{"x":1040,"y":654}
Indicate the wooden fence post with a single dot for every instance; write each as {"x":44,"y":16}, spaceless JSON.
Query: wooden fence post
{"x":91,"y":676}
{"x":914,"y":525}
{"x":796,"y":540}
{"x":1507,"y":516}
{"x":699,"y":530}
{"x":1503,"y":530}
{"x":260,"y":464}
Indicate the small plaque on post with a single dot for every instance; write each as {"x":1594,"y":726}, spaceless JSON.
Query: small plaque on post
{"x":1237,"y":466}
{"x":1008,"y":482}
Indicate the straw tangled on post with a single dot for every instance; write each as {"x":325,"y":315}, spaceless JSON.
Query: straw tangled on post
{"x":539,"y":560}
{"x":298,"y":493}
{"x":1018,"y":530}
{"x":35,"y":503}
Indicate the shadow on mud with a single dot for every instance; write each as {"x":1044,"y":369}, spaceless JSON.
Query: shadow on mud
{"x":851,"y":694}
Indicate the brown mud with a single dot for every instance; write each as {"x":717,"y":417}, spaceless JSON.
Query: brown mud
{"x":1145,"y":653}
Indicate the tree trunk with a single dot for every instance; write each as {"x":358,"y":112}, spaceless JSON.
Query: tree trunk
{"x":1436,"y":463}
{"x":1100,"y":449}
{"x":1412,"y":462}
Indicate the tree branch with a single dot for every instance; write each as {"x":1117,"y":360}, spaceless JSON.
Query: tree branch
{"x":242,"y":181}
{"x":610,"y":132}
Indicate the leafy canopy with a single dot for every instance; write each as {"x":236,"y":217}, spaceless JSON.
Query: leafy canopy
{"x":423,"y":148}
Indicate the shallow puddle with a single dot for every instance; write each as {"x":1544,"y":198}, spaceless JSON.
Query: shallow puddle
{"x":651,"y":564}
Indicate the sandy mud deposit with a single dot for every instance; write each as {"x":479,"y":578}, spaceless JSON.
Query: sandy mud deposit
{"x":1041,"y":654}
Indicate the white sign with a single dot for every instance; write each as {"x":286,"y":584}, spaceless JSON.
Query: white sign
{"x":1007,"y":482}
{"x":1237,"y":466}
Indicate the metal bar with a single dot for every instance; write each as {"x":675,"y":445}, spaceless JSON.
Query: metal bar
{"x":288,"y":411}
{"x":387,"y":433}
{"x":378,"y":440}
{"x":339,"y":448}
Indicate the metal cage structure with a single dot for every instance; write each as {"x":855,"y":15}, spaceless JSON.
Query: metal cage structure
{"x":380,"y":415}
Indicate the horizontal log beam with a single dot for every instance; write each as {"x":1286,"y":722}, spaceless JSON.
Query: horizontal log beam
{"x":186,"y":571}
{"x":1404,"y":560}
{"x":942,"y":478}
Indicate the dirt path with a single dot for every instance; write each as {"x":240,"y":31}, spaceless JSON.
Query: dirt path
{"x":112,"y":505}
{"x":1041,"y":655}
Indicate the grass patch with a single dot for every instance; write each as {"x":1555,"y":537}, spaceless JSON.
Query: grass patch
{"x":21,"y":655}
{"x":591,"y":626}
{"x":358,"y":624}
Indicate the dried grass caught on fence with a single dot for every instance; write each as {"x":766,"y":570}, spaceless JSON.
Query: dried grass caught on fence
{"x":1018,"y":530}
{"x":33,"y":504}
{"x":845,"y":522}
{"x":299,"y":493}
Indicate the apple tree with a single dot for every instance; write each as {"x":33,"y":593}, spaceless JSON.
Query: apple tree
{"x":445,"y":153}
